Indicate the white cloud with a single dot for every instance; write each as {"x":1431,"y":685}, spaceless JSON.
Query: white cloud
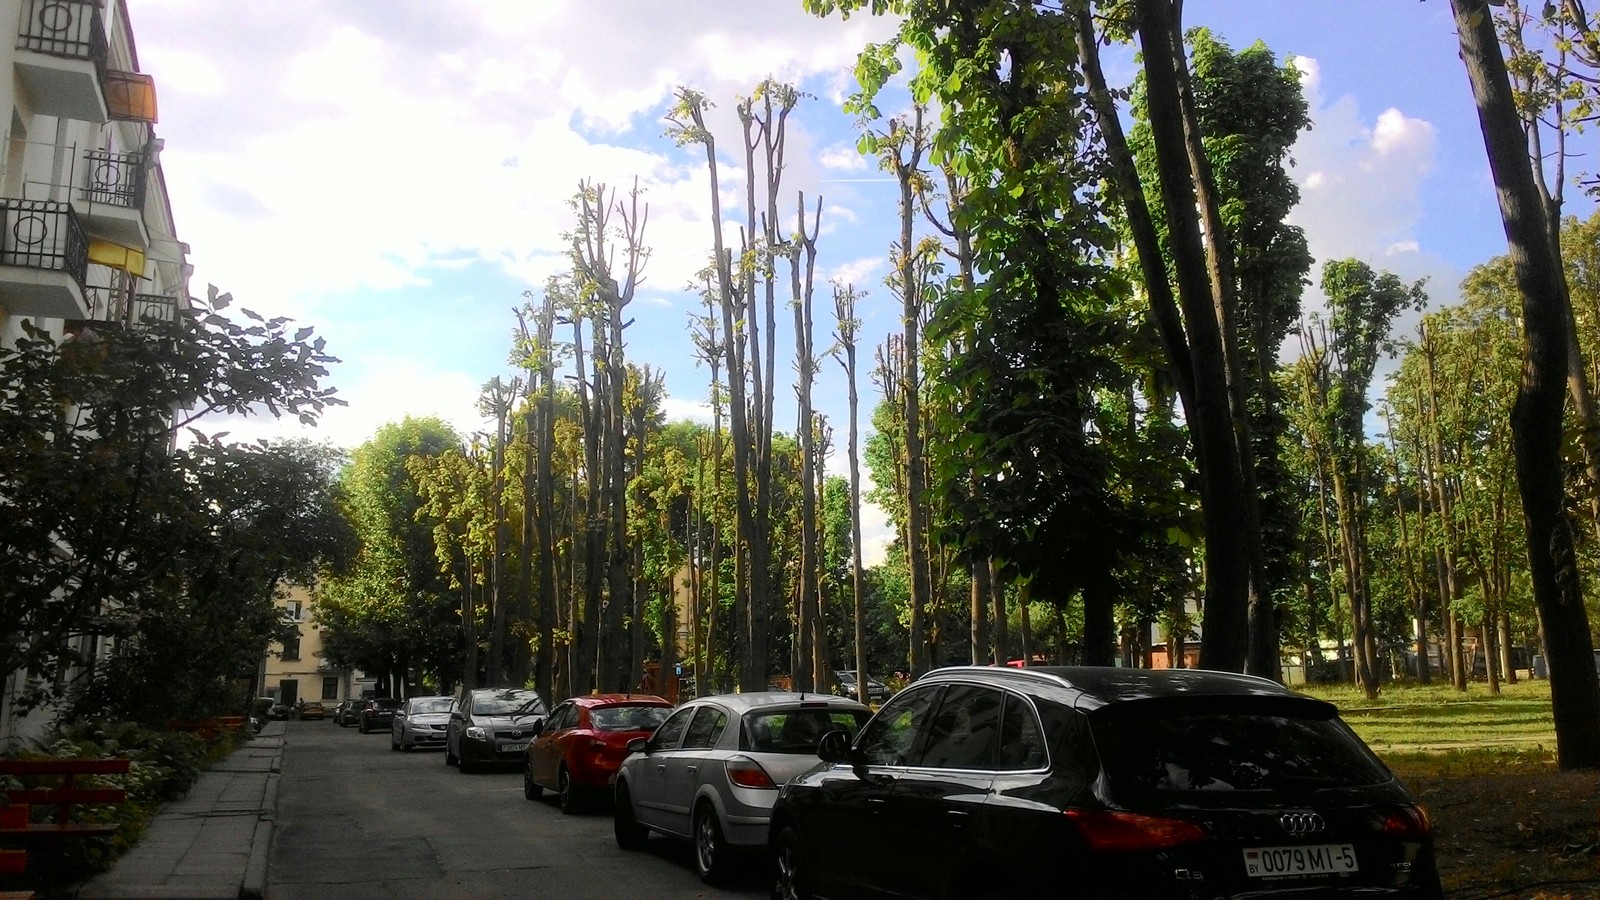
{"x":843,"y":158}
{"x":863,"y":273}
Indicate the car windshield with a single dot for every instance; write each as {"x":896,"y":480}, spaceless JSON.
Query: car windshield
{"x":385,"y":703}
{"x":1162,"y":749}
{"x":628,"y":718}
{"x":430,"y":705}
{"x":798,"y":730}
{"x":507,"y":703}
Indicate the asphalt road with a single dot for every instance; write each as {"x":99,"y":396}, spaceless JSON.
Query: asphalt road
{"x":358,"y":820}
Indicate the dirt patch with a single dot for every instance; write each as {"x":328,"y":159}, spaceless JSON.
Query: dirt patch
{"x":1516,"y":835}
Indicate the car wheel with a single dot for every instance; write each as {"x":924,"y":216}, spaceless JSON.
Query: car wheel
{"x":791,"y":879}
{"x":710,"y":850}
{"x":630,"y":834}
{"x":362,"y":727}
{"x":450,"y":759}
{"x":529,"y":789}
{"x":566,"y":794}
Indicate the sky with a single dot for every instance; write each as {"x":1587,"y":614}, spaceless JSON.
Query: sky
{"x":396,"y":174}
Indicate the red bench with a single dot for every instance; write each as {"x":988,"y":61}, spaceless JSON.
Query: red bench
{"x":15,"y":817}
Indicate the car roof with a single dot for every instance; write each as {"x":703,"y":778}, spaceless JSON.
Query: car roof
{"x":1094,"y":687}
{"x":755,"y":699}
{"x":593,"y":701}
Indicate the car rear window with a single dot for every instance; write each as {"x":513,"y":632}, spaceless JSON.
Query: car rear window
{"x":628,"y":718}
{"x":385,"y":703}
{"x":509,"y":703}
{"x":430,"y":705}
{"x":798,"y":730}
{"x":1293,"y":746}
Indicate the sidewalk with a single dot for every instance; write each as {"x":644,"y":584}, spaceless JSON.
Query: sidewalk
{"x":213,"y":843}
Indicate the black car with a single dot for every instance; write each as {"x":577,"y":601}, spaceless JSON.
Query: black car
{"x":492,"y":725}
{"x":1100,"y":782}
{"x":377,"y":714}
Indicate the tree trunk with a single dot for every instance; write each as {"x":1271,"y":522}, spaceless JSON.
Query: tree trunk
{"x":1224,"y":644}
{"x":1536,"y":418}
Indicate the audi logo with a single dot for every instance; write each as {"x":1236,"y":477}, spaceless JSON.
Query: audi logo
{"x":1302,"y":823}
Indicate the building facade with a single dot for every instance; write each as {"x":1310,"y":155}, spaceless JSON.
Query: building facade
{"x":86,"y":229}
{"x":297,"y":669}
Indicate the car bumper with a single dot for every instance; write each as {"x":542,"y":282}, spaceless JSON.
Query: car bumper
{"x":423,"y":738}
{"x":479,"y":751}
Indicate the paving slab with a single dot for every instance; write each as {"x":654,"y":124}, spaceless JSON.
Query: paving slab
{"x":212,"y":843}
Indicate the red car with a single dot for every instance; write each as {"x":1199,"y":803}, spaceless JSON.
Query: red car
{"x":584,"y":742}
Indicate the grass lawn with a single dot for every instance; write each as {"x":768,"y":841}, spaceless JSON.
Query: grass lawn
{"x":1435,"y":730}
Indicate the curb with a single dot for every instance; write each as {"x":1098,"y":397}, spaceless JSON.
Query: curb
{"x":254,"y":886}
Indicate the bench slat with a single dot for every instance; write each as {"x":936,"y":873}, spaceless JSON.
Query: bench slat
{"x":55,"y":830}
{"x":65,"y":766}
{"x":68,"y":796}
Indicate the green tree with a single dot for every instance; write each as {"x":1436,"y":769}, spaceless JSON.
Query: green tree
{"x":96,"y":496}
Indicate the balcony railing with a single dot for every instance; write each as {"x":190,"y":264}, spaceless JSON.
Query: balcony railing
{"x":147,"y":310}
{"x":42,"y":234}
{"x":117,"y":179}
{"x":67,"y":28}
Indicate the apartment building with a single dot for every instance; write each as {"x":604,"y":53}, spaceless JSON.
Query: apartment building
{"x":297,"y":670}
{"x":86,"y":229}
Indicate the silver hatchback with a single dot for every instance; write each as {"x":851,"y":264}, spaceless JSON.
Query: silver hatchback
{"x":712,"y":770}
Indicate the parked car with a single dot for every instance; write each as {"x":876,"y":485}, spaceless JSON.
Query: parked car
{"x":376,"y":713}
{"x":877,"y":691}
{"x":711,"y":772}
{"x":312,"y":709}
{"x":1149,"y":783}
{"x":279,"y":710}
{"x":492,"y":725}
{"x":584,"y":742}
{"x":420,"y":722}
{"x":348,"y":712}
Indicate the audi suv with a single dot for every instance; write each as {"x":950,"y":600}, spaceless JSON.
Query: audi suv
{"x":1100,"y":782}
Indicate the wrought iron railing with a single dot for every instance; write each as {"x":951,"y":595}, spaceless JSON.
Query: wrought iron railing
{"x":147,"y":310}
{"x":115,"y":178}
{"x":69,"y":28}
{"x":43,"y":234}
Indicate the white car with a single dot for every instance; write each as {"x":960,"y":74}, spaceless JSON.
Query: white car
{"x":421,"y":722}
{"x":712,"y":770}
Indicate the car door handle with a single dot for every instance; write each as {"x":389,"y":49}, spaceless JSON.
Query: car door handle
{"x":661,"y":769}
{"x":692,"y":769}
{"x":958,"y":818}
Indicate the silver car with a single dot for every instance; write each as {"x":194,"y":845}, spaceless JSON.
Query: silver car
{"x":711,"y":771}
{"x":421,"y":722}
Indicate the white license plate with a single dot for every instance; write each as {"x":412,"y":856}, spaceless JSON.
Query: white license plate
{"x":1311,"y":859}
{"x":514,"y":748}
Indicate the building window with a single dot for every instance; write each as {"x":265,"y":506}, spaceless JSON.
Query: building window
{"x":291,"y":648}
{"x":330,"y":688}
{"x":294,"y":611}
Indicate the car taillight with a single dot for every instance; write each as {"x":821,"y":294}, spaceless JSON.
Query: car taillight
{"x":1409,"y":823}
{"x":1109,"y":830}
{"x":746,"y":772}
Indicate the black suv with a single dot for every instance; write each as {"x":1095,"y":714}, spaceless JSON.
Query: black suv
{"x":1100,"y":782}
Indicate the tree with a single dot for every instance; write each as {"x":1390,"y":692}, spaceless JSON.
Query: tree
{"x":1537,"y":417}
{"x":96,"y":493}
{"x":395,"y":592}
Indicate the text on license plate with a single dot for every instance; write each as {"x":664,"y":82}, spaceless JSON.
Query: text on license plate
{"x":1314,"y":859}
{"x":514,"y":748}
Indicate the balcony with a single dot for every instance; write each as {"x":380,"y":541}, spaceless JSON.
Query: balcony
{"x":61,"y":58}
{"x":110,"y":200}
{"x":130,"y":96}
{"x":44,"y":258}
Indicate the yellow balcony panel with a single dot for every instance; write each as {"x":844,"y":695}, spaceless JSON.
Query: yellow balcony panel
{"x":131,"y":97}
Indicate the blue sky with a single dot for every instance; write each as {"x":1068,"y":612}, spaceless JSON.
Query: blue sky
{"x":396,"y":174}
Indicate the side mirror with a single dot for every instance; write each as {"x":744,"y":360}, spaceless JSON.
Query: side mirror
{"x":834,"y":747}
{"x":639,"y":745}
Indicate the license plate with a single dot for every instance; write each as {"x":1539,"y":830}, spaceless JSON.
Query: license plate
{"x":514,"y":748}
{"x":1313,"y":859}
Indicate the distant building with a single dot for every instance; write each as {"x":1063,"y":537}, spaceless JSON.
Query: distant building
{"x":297,"y":670}
{"x":86,"y":230}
